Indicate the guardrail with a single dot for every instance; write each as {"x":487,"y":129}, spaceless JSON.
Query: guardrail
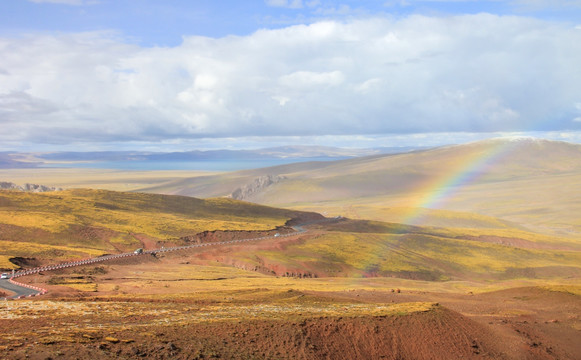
{"x":41,"y":291}
{"x":298,"y":230}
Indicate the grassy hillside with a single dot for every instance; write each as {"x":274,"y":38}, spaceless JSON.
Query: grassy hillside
{"x":80,"y":223}
{"x":107,"y":179}
{"x":375,"y":249}
{"x":54,"y":226}
{"x":498,"y":160}
{"x":526,"y":183}
{"x":513,"y":211}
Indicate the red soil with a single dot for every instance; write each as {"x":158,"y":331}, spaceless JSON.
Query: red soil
{"x":527,"y":323}
{"x":437,"y":334}
{"x":521,"y":323}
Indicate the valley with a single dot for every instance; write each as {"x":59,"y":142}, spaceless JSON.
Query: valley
{"x":429,"y":254}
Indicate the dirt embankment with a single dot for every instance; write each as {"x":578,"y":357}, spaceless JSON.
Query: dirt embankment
{"x":151,"y":243}
{"x":25,"y":262}
{"x":527,"y":323}
{"x":227,"y":235}
{"x":436,"y":334}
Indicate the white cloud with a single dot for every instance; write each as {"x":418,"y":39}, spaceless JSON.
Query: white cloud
{"x":282,"y":100}
{"x":368,"y":85}
{"x":578,"y":107}
{"x":479,"y":73}
{"x":305,"y":80}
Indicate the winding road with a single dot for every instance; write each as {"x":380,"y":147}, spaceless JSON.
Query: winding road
{"x":21,"y":290}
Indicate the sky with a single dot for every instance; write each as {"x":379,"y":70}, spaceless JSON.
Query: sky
{"x":87,"y":75}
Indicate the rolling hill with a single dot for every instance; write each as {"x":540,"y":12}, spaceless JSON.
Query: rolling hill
{"x":521,"y":182}
{"x":54,"y":226}
{"x":362,"y":249}
{"x":492,"y":209}
{"x":476,"y":285}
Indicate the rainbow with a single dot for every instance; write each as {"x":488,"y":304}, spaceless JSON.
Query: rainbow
{"x":435,"y":192}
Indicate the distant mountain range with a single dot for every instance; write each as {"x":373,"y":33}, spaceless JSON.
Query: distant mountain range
{"x":8,"y":161}
{"x":298,"y":153}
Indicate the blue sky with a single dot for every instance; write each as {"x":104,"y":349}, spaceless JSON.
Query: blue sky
{"x":179,"y":75}
{"x":164,"y":23}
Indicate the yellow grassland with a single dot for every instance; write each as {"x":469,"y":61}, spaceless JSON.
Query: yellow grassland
{"x":60,"y":214}
{"x":416,"y":252}
{"x":117,"y":180}
{"x":133,"y":212}
{"x":177,"y":315}
{"x":403,"y":214}
{"x":546,"y":204}
{"x":85,"y":287}
{"x":446,"y":223}
{"x":571,"y":289}
{"x":226,"y":284}
{"x":62,"y":253}
{"x":38,"y":219}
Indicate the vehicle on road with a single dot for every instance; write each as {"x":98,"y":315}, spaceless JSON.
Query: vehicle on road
{"x":138,"y":251}
{"x":4,"y":276}
{"x":276,"y":235}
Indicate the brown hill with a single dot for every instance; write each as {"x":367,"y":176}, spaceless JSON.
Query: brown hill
{"x":495,"y":178}
{"x":500,"y":159}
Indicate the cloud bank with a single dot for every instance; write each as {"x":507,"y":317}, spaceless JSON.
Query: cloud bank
{"x":471,"y":73}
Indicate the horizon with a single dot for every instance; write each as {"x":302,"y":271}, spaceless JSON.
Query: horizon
{"x":98,"y":75}
{"x":274,"y":146}
{"x":229,"y":159}
{"x":400,"y":144}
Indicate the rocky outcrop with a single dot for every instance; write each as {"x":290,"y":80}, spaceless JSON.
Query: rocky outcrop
{"x":258,"y":185}
{"x":5,"y":185}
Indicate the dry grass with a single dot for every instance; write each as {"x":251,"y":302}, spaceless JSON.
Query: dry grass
{"x":167,"y":313}
{"x":80,"y":222}
{"x":570,"y":289}
{"x":224,"y":284}
{"x":421,"y":253}
{"x":117,"y":180}
{"x":5,"y":262}
{"x":507,"y":204}
{"x":11,"y":249}
{"x":124,"y":211}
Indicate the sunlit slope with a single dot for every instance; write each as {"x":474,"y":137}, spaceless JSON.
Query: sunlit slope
{"x":529,"y":182}
{"x":374,"y":249}
{"x":77,"y":223}
{"x":422,"y":175}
